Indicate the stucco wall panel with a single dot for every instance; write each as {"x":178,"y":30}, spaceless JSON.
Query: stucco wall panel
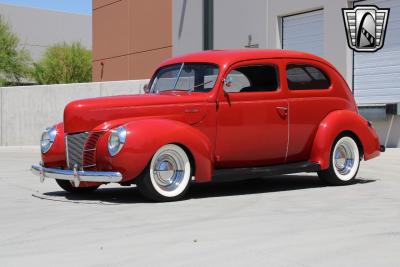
{"x":235,"y":20}
{"x":111,"y":30}
{"x":114,"y":69}
{"x":144,"y":64}
{"x":101,"y":3}
{"x":148,"y":25}
{"x":128,"y":30}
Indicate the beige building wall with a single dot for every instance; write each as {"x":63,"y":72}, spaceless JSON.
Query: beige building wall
{"x":130,"y":38}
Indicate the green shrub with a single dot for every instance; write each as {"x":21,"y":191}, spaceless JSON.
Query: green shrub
{"x":14,"y":60}
{"x":64,"y":63}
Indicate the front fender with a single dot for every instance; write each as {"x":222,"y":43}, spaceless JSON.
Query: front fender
{"x":336,"y":123}
{"x":55,"y":157}
{"x":145,"y":137}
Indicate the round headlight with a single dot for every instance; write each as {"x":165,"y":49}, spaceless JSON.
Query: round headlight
{"x":116,"y":140}
{"x":47,"y":140}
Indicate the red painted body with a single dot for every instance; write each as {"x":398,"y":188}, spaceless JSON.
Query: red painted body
{"x":223,"y":130}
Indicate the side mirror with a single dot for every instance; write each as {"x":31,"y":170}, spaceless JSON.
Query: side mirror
{"x":146,"y":88}
{"x":228,"y":81}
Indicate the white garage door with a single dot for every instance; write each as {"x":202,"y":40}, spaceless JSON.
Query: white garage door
{"x":377,"y":75}
{"x":304,"y":32}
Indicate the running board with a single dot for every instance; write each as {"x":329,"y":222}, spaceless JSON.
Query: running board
{"x":237,"y":174}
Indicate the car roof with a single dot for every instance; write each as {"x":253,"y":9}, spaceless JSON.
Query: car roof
{"x":228,"y":57}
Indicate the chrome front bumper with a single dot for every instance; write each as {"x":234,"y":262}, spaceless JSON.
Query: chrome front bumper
{"x":76,"y":176}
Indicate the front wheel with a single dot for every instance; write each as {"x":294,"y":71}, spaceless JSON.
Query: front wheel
{"x":344,"y":162}
{"x":167,"y":177}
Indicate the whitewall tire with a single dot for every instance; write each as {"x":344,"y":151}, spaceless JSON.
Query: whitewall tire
{"x":168,"y":174}
{"x":344,"y":162}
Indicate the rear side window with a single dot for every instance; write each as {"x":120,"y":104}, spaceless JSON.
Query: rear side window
{"x":257,"y":78}
{"x":306,"y":77}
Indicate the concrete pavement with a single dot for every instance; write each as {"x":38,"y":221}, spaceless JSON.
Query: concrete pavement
{"x":278,"y":221}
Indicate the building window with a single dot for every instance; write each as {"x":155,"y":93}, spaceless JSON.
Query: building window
{"x":208,"y":24}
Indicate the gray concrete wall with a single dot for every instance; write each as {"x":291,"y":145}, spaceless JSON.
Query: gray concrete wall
{"x":26,"y":111}
{"x":37,"y":29}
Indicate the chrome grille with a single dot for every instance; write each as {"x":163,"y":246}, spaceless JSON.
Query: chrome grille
{"x":74,"y":146}
{"x":89,"y":151}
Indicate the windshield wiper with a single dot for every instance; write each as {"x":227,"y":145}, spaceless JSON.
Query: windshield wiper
{"x":189,"y":89}
{"x":179,"y":74}
{"x":198,"y":85}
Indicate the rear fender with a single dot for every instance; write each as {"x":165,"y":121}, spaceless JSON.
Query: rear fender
{"x":145,"y":137}
{"x":336,"y":123}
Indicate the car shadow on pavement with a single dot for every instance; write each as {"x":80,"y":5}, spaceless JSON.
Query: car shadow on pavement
{"x":130,"y":195}
{"x":116,"y":195}
{"x":269,"y":184}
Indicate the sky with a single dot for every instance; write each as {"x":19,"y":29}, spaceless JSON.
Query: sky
{"x":70,"y":6}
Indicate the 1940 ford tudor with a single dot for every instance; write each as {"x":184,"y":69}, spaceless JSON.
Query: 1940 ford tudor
{"x":213,"y":115}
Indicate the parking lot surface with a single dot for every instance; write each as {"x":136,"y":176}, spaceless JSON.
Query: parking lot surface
{"x":288,"y":220}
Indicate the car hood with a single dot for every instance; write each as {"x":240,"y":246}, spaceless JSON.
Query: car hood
{"x":87,"y":114}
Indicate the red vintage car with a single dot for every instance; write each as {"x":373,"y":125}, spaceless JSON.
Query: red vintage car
{"x":215,"y":115}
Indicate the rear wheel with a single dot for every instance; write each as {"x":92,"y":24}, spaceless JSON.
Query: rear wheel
{"x":67,"y":186}
{"x":344,"y":162}
{"x":167,"y":177}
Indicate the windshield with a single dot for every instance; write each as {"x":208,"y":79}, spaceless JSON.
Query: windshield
{"x":193,"y":77}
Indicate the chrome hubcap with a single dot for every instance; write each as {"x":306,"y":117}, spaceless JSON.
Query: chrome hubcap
{"x":169,"y":170}
{"x":344,"y":157}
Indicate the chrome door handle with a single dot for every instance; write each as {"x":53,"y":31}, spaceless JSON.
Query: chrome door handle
{"x":283,"y":111}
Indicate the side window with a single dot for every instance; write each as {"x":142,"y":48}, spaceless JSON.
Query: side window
{"x":306,"y":77}
{"x":259,"y":78}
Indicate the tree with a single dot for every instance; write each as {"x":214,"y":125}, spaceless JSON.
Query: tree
{"x":64,"y":63}
{"x":14,"y":61}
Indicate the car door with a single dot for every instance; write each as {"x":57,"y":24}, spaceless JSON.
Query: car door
{"x":311,"y":98}
{"x":252,"y":121}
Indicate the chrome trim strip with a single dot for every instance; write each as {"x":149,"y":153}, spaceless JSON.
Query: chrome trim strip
{"x":89,"y":166}
{"x":288,"y":130}
{"x":66,"y":150}
{"x":76,"y":176}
